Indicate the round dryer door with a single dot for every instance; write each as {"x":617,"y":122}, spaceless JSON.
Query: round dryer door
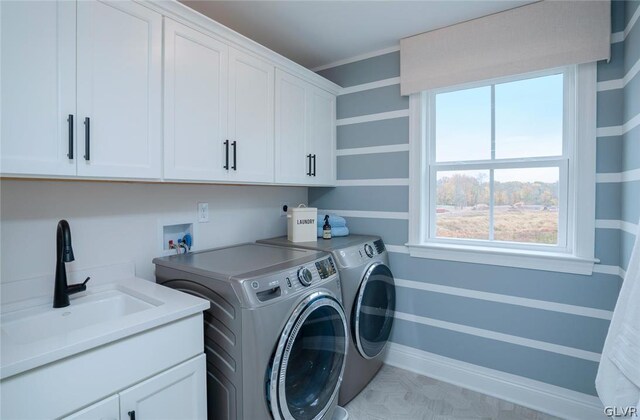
{"x":309,"y":361}
{"x":373,"y":310}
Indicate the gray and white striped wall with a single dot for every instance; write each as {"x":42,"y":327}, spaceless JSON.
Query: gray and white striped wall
{"x":529,"y":336}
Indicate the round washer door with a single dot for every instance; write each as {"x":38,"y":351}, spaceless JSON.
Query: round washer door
{"x":373,"y":310}
{"x":309,"y":360}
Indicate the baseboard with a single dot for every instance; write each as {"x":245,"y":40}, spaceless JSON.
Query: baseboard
{"x":540,"y":396}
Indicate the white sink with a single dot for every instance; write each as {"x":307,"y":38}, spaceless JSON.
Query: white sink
{"x":42,"y":322}
{"x":116,"y":305}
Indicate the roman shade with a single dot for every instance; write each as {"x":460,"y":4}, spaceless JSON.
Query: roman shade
{"x":537,"y":36}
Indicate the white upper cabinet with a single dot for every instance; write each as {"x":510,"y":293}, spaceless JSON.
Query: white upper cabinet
{"x":251,"y":118}
{"x":293,"y":165}
{"x":195,"y":103}
{"x":218,"y":121}
{"x":322,"y":136}
{"x":119,"y":88}
{"x":305,"y":132}
{"x":38,"y":87}
{"x":101,"y":89}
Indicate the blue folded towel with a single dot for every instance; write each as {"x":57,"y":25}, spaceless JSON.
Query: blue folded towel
{"x":336,"y":231}
{"x":334,"y":220}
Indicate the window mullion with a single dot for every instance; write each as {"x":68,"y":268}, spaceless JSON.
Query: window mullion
{"x":493,"y":157}
{"x":433,"y":179}
{"x":491,"y":202}
{"x":493,"y":122}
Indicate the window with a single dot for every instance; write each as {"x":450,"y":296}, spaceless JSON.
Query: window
{"x":503,"y":171}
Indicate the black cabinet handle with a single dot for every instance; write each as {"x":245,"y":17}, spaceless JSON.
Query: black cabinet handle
{"x":70,"y":121}
{"x":87,"y":138}
{"x":314,"y":165}
{"x":226,"y":152}
{"x":308,"y":165}
{"x":235,"y":154}
{"x":132,"y":414}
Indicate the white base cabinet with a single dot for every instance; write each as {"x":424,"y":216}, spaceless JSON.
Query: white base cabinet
{"x":107,"y":409}
{"x":161,"y":370}
{"x":178,"y":393}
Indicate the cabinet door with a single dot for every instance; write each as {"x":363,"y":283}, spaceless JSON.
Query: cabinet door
{"x":195,"y":119}
{"x":107,"y":409}
{"x":251,"y":85}
{"x":119,"y":85}
{"x":178,"y":393}
{"x":38,"y":86}
{"x":292,"y":164}
{"x":322,"y":136}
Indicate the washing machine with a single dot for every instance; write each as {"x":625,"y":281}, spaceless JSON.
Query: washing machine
{"x":275,"y":334}
{"x":369,"y":299}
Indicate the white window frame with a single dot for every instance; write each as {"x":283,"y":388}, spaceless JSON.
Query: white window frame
{"x":574,"y":252}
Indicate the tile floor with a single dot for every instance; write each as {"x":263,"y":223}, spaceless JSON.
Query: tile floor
{"x":396,"y":394}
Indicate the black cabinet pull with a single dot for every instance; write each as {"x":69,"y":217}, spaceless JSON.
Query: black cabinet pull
{"x":87,"y":138}
{"x":70,"y":121}
{"x":132,"y":414}
{"x":308,"y":165}
{"x":314,"y":165}
{"x":235,"y":154}
{"x":226,"y":152}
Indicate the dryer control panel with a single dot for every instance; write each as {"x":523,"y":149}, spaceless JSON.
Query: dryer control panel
{"x":358,"y":255}
{"x":296,"y":279}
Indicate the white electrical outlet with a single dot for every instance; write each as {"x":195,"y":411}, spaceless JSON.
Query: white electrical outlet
{"x":203,"y":212}
{"x":283,"y":209}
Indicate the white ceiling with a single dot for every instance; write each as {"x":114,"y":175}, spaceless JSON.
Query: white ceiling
{"x":315,"y":33}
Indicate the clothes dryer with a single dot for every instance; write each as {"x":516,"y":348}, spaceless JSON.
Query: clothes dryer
{"x":369,"y":299}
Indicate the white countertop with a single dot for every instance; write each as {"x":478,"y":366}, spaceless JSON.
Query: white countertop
{"x":162,"y":306}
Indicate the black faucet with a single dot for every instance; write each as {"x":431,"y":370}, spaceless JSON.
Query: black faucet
{"x":64,"y":254}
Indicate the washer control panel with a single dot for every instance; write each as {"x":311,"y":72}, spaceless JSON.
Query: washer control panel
{"x":289,"y":281}
{"x":326,"y":268}
{"x":304,"y":276}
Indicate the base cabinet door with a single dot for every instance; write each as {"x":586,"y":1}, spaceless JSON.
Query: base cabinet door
{"x":107,"y":409}
{"x":196,"y":144}
{"x":178,"y":393}
{"x":119,"y":89}
{"x":38,"y":59}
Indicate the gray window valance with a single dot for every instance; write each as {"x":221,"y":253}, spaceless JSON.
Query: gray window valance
{"x":542,"y":35}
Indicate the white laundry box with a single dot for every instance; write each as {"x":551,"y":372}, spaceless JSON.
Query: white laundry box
{"x":301,"y":223}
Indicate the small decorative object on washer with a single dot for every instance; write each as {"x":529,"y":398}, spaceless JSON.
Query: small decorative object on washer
{"x":338,"y":226}
{"x":326,"y":229}
{"x":301,"y":223}
{"x":335,"y":231}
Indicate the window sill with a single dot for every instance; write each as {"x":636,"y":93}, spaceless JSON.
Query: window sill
{"x":535,"y":260}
